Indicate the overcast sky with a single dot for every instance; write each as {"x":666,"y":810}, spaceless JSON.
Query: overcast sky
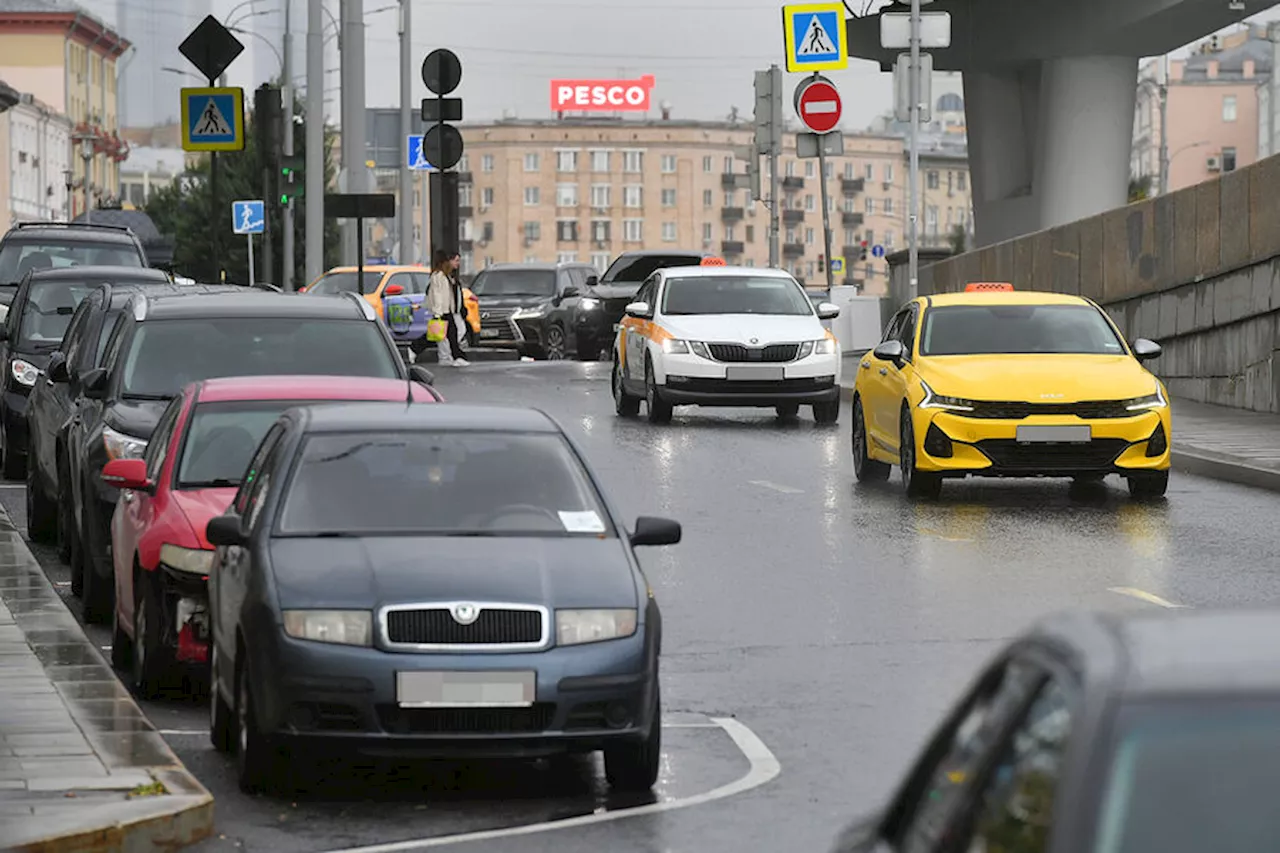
{"x":701,"y":52}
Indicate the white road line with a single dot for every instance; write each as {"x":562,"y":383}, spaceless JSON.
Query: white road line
{"x":764,"y":768}
{"x":777,"y":487}
{"x":1143,"y":595}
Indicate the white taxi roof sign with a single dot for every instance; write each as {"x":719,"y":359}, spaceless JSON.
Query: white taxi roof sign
{"x":974,"y":286}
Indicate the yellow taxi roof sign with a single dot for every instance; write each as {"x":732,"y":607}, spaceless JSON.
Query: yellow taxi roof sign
{"x":712,"y":262}
{"x":987,"y":285}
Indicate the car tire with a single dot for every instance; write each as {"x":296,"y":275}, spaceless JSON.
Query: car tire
{"x":96,"y":595}
{"x":555,"y":345}
{"x":623,"y":403}
{"x":658,"y":409}
{"x":633,"y":766}
{"x":827,"y":413}
{"x":916,"y":483}
{"x":259,"y":763}
{"x":787,"y":411}
{"x":1149,"y":486}
{"x":42,"y":513}
{"x":153,"y":661}
{"x":222,"y":726}
{"x":121,"y":644}
{"x":865,"y":469}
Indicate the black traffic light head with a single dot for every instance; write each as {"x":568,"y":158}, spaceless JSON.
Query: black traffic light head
{"x":291,"y":185}
{"x":268,"y":115}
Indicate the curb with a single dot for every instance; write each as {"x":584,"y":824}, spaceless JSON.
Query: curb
{"x":1223,"y":466}
{"x":182,"y":816}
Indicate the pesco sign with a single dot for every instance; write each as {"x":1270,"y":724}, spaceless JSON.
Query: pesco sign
{"x":601,"y":95}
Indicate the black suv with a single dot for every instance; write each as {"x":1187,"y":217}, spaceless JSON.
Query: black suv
{"x":51,"y":403}
{"x":40,"y":245}
{"x":618,"y":286}
{"x":160,"y":345}
{"x":541,"y":310}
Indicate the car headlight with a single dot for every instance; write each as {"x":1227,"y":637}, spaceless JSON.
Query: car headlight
{"x":826,"y":346}
{"x":589,"y":303}
{"x":942,"y":401}
{"x":197,"y":561}
{"x":24,"y":371}
{"x":121,"y":446}
{"x":343,"y":627}
{"x":675,"y":347}
{"x":530,"y":313}
{"x":1151,"y":401}
{"x":574,"y":627}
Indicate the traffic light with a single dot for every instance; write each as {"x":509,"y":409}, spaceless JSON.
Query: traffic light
{"x":862,"y":254}
{"x":268,"y":115}
{"x":291,"y":184}
{"x":822,"y":263}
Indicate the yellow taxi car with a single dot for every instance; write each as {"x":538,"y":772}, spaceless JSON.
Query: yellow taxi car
{"x":381,"y":280}
{"x":999,"y":383}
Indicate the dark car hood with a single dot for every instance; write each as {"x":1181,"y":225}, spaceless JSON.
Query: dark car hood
{"x":134,"y":417}
{"x":343,"y":573}
{"x":620,"y":290}
{"x":510,"y":301}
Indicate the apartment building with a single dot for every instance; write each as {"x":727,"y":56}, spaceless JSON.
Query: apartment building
{"x":35,"y":150}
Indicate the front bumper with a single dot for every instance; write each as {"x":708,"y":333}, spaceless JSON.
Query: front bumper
{"x":990,"y":448}
{"x":185,"y":618}
{"x":692,"y":380}
{"x":343,"y":698}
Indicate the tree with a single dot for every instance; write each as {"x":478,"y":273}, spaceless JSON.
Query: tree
{"x":959,"y":240}
{"x":183,"y":211}
{"x":1139,"y":188}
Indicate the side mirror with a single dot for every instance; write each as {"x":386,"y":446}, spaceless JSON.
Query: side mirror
{"x":569,"y":291}
{"x":393,"y":290}
{"x":655,"y":531}
{"x":889,"y":351}
{"x":593,"y":280}
{"x":828,"y":311}
{"x":94,"y":383}
{"x":1145,"y":350}
{"x":57,"y":369}
{"x":128,"y":474}
{"x":639,"y":309}
{"x":224,"y":530}
{"x":418,"y":373}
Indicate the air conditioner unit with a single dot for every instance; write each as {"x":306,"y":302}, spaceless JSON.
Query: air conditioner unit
{"x":1213,"y":164}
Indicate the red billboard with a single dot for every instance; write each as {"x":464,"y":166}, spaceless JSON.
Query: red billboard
{"x":601,"y":95}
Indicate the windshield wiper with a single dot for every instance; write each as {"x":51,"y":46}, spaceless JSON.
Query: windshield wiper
{"x":135,"y":396}
{"x":335,"y":534}
{"x":220,"y":483}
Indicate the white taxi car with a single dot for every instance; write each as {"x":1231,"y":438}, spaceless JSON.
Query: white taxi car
{"x":726,"y":336}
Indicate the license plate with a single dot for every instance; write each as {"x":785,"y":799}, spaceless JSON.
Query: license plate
{"x":1055,"y":434}
{"x":752,"y":373}
{"x":466,"y":689}
{"x":488,"y":333}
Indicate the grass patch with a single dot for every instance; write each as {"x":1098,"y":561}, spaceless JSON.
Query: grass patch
{"x":155,"y":789}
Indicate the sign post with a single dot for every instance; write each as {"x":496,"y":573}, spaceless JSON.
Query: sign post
{"x":360,"y":206}
{"x":817,"y":102}
{"x":249,"y":218}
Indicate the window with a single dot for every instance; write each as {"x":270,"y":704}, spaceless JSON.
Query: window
{"x":334,"y":283}
{"x":533,"y":231}
{"x":888,"y":173}
{"x":600,"y":230}
{"x":962,"y":181}
{"x":668,"y":164}
{"x":567,"y":230}
{"x":751,"y":233}
{"x":566,"y":195}
{"x":708,"y":198}
{"x":486,"y":197}
{"x":869,"y":172}
{"x":532,"y":196}
{"x":888,"y":239}
{"x":158,"y":447}
{"x":790,"y":235}
{"x":869,"y":205}
{"x":706,"y":232}
{"x":888,"y":206}
{"x":738,"y":294}
{"x":633,"y":161}
{"x":1228,"y":159}
{"x":730,"y":198}
{"x":931,"y":219}
{"x":251,"y":488}
{"x":850,"y":239}
{"x":532,"y":161}
{"x":1005,"y":329}
{"x":1228,"y":107}
{"x":808,"y":236}
{"x":220,"y":441}
{"x":486,"y":232}
{"x":67,"y":253}
{"x":668,"y":198}
{"x":600,"y":161}
{"x":931,"y":179}
{"x":633,"y":230}
{"x":728,"y":165}
{"x":808,"y":202}
{"x":808,"y":168}
{"x":669,"y":232}
{"x":600,"y":260}
{"x":790,"y":169}
{"x":707,"y":164}
{"x":850,"y":205}
{"x":567,"y":161}
{"x":633,"y":195}
{"x":848,"y":171}
{"x":567,"y":258}
{"x":601,"y":195}
{"x":514,"y":282}
{"x":47,"y":312}
{"x":486,"y":163}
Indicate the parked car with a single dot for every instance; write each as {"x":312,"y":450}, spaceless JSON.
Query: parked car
{"x":541,"y":310}
{"x":44,"y":245}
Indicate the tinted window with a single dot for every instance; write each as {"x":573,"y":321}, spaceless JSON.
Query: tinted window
{"x":17,"y":257}
{"x":158,"y":446}
{"x":441,"y":483}
{"x":725,"y":294}
{"x":982,"y":329}
{"x":167,"y":354}
{"x":48,"y":311}
{"x":109,"y":324}
{"x":515,"y":282}
{"x":636,"y":268}
{"x":1194,"y":776}
{"x":241,"y":502}
{"x":344,"y":282}
{"x":221,"y":439}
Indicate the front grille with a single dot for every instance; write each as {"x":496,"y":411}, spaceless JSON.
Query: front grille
{"x":738,"y":352}
{"x":469,"y":721}
{"x":1007,"y":453}
{"x":437,"y":627}
{"x":496,"y":320}
{"x":772,"y":386}
{"x":1011,"y":411}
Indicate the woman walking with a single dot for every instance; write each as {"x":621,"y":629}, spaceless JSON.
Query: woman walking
{"x":444,"y":302}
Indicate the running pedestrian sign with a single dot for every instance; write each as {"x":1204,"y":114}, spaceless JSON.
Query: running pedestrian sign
{"x":815,"y":37}
{"x":213,"y":119}
{"x":248,"y":217}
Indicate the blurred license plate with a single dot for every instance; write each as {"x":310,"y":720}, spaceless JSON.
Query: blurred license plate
{"x":1055,"y":434}
{"x":753,"y":373}
{"x":466,"y":689}
{"x":488,"y":333}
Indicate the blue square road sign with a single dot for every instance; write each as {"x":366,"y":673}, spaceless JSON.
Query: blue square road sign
{"x":815,"y":37}
{"x":213,"y":119}
{"x":248,"y":217}
{"x":415,"y":157}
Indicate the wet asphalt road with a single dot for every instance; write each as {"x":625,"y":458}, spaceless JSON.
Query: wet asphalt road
{"x":835,"y":622}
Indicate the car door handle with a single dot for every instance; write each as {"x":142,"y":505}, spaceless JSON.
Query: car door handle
{"x":866,"y":364}
{"x":884,"y":371}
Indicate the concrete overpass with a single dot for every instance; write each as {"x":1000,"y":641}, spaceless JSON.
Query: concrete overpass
{"x":1050,"y":87}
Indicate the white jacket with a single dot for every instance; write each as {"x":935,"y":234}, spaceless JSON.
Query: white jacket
{"x":440,"y":295}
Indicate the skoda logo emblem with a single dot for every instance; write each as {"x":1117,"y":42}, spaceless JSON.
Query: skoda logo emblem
{"x":465,"y":614}
{"x":755,"y":340}
{"x":484,"y":316}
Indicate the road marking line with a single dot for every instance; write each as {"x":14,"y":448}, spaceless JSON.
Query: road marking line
{"x":1143,"y":595}
{"x":777,"y":487}
{"x":764,"y":768}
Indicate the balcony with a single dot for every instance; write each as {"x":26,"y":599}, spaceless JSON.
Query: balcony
{"x":793,"y":217}
{"x":850,"y":220}
{"x":792,"y":183}
{"x":465,"y":245}
{"x":464,"y":177}
{"x":852,"y":186}
{"x":732,"y":214}
{"x":732,"y":247}
{"x":729,"y":180}
{"x":792,"y":250}
{"x":465,"y":211}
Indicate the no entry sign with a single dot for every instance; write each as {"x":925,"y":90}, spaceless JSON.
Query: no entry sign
{"x":818,"y":104}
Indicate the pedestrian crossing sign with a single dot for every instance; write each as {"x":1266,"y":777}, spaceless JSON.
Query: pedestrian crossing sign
{"x":213,"y":119}
{"x":815,"y":37}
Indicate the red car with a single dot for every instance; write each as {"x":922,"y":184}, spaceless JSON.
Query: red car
{"x":193,"y":465}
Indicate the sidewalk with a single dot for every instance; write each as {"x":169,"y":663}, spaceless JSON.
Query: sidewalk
{"x":80,"y":766}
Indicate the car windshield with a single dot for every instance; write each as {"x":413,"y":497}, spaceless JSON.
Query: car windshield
{"x":47,"y":312}
{"x":634,"y":269}
{"x":17,"y":257}
{"x":515,"y":282}
{"x":735,"y":294}
{"x":441,"y":484}
{"x":167,"y":354}
{"x":334,"y":283}
{"x":1193,"y":776}
{"x":1020,"y":329}
{"x":221,"y":439}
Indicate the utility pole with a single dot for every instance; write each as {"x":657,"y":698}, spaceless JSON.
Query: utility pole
{"x":286,"y":215}
{"x":768,"y":140}
{"x":913,"y":255}
{"x":405,"y":210}
{"x":353,"y":130}
{"x":1164,"y":127}
{"x":313,"y":173}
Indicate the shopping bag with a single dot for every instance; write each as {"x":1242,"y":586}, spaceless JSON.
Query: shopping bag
{"x":437,"y":329}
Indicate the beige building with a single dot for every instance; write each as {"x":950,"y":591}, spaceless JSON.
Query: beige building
{"x":67,"y":59}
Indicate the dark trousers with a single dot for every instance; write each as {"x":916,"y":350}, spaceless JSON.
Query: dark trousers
{"x":451,"y":338}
